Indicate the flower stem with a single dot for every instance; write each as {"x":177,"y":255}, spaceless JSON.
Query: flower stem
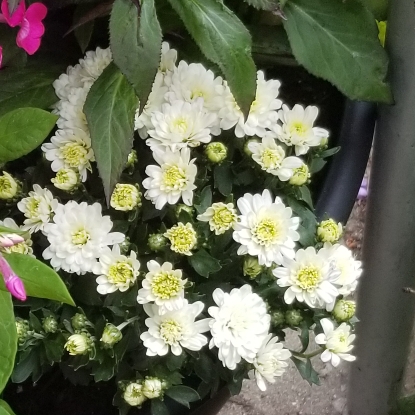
{"x":307,"y":355}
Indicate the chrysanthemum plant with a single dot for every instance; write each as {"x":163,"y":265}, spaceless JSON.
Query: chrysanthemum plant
{"x":168,"y":188}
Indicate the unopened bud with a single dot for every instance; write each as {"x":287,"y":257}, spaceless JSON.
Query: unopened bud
{"x":133,"y":394}
{"x":153,"y":387}
{"x":157,"y":242}
{"x":132,"y":159}
{"x":344,"y":310}
{"x":184,"y":208}
{"x":79,"y":321}
{"x":22,"y":328}
{"x":277,"y":318}
{"x":293,"y":317}
{"x":110,"y":336}
{"x":300,"y":176}
{"x":67,"y":180}
{"x":50,"y":325}
{"x":9,"y":187}
{"x":329,"y":231}
{"x":251,"y":267}
{"x":77,"y":344}
{"x":216,"y":152}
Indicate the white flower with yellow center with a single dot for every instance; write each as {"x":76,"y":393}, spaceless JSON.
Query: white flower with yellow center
{"x":271,"y":157}
{"x":70,"y":149}
{"x":270,"y":361}
{"x":66,"y":179}
{"x":173,"y":179}
{"x":23,"y":247}
{"x":78,"y":236}
{"x":182,"y":237}
{"x":239,"y":325}
{"x":174,"y":330}
{"x":125,"y":197}
{"x":38,"y":208}
{"x":221,"y":217}
{"x":133,"y":394}
{"x":164,"y":286}
{"x":116,"y":271}
{"x":9,"y":187}
{"x":337,"y":342}
{"x":266,"y":228}
{"x":181,"y":124}
{"x":310,"y":278}
{"x":297,"y":128}
{"x":329,"y":231}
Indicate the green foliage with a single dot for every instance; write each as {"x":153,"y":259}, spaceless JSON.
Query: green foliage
{"x":135,"y":36}
{"x":263,"y":4}
{"x":22,"y":131}
{"x":158,"y":407}
{"x":204,"y":264}
{"x":337,"y":41}
{"x":183,"y":394}
{"x":83,"y":32}
{"x":306,"y":370}
{"x":225,"y":41}
{"x":379,"y":8}
{"x":110,"y":108}
{"x":40,"y":280}
{"x":13,"y":56}
{"x":5,"y":408}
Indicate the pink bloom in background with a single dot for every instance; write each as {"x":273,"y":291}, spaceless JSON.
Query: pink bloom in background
{"x":13,"y":283}
{"x":30,"y":22}
{"x":10,"y":239}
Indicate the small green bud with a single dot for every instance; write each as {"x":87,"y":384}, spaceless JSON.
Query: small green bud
{"x":110,"y":336}
{"x":277,"y":318}
{"x":293,"y":317}
{"x":50,"y":325}
{"x":344,"y":310}
{"x":251,"y":267}
{"x":247,"y":151}
{"x":9,"y":186}
{"x":300,"y":176}
{"x":216,"y":152}
{"x":132,"y":159}
{"x":184,"y":208}
{"x":79,"y":321}
{"x":125,"y":245}
{"x":22,"y":328}
{"x":157,"y":242}
{"x":329,"y":231}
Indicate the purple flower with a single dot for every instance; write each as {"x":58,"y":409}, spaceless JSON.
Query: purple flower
{"x":13,"y":283}
{"x":363,"y":191}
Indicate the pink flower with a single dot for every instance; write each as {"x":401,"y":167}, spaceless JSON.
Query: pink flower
{"x":30,"y":22}
{"x":10,"y":239}
{"x":13,"y":283}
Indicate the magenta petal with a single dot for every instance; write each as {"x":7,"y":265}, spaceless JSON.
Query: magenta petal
{"x":17,"y":17}
{"x":16,"y":287}
{"x":1,"y":55}
{"x":28,"y":37}
{"x":36,"y":12}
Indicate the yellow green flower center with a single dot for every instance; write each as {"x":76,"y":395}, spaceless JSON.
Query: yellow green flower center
{"x":20,"y":248}
{"x":174,"y":178}
{"x":266,"y":231}
{"x":182,"y":238}
{"x":308,"y":277}
{"x":120,"y":273}
{"x":166,"y":285}
{"x":5,"y":184}
{"x":223,"y":218}
{"x":32,"y":207}
{"x":125,"y":197}
{"x":272,"y":158}
{"x":298,"y":128}
{"x":80,"y":237}
{"x":197,"y":93}
{"x":74,"y":154}
{"x":171,"y":331}
{"x":180,"y":125}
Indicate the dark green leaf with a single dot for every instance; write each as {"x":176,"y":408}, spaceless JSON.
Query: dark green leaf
{"x":317,"y":164}
{"x":330,"y":152}
{"x":86,"y":13}
{"x":306,"y":370}
{"x":205,"y":200}
{"x":308,"y":224}
{"x":305,"y":195}
{"x":203,"y":263}
{"x":183,"y":394}
{"x":223,"y":178}
{"x":269,"y":40}
{"x":25,"y":367}
{"x":13,"y":56}
{"x":175,"y":362}
{"x":8,"y":338}
{"x":224,"y":40}
{"x":104,"y":371}
{"x":39,"y":279}
{"x":263,"y":4}
{"x":84,"y":31}
{"x":379,"y":8}
{"x":135,"y":38}
{"x":158,"y":407}
{"x":5,"y":230}
{"x":304,"y":336}
{"x":205,"y":368}
{"x":23,"y":130}
{"x":110,"y":108}
{"x":54,"y":349}
{"x":85,"y":291}
{"x":338,"y":41}
{"x":5,"y":408}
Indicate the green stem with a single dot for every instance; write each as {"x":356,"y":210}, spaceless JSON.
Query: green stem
{"x":307,"y":355}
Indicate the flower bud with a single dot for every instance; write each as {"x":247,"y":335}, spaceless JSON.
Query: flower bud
{"x":125,"y":197}
{"x":22,"y":328}
{"x":216,"y":152}
{"x":277,"y":318}
{"x":293,"y":317}
{"x":110,"y":336}
{"x":247,"y":151}
{"x":329,"y":231}
{"x":66,"y":179}
{"x":157,"y":242}
{"x":300,"y":176}
{"x":184,"y":208}
{"x":7,"y":240}
{"x":132,"y":159}
{"x":125,"y":245}
{"x":13,"y":283}
{"x":153,"y":387}
{"x":49,"y":324}
{"x":133,"y":394}
{"x":9,"y":187}
{"x":251,"y":267}
{"x":79,"y":321}
{"x":344,"y":310}
{"x":78,"y":344}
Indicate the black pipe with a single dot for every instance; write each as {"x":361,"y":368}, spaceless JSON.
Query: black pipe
{"x":347,"y":167}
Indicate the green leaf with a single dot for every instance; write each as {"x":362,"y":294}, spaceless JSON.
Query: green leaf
{"x":135,"y":39}
{"x":158,"y":407}
{"x":5,"y":408}
{"x":6,"y":230}
{"x":304,"y":336}
{"x":308,"y":224}
{"x":379,"y":8}
{"x":25,"y":367}
{"x":22,"y":131}
{"x":306,"y":370}
{"x":205,"y":369}
{"x":223,"y":178}
{"x":305,"y":195}
{"x":224,"y":40}
{"x":338,"y":41}
{"x":110,"y":108}
{"x":39,"y":280}
{"x":183,"y":394}
{"x":329,"y":152}
{"x":84,"y":31}
{"x":203,"y":263}
{"x":28,"y":87}
{"x":13,"y":56}
{"x":317,"y":164}
{"x":8,"y":338}
{"x":205,"y":200}
{"x":263,"y":4}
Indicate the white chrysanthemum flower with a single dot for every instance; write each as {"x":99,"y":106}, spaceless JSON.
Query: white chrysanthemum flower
{"x":271,"y":157}
{"x":221,"y":217}
{"x":182,"y":237}
{"x":66,"y":180}
{"x":125,"y":197}
{"x":94,"y":63}
{"x":310,"y":278}
{"x":270,"y":361}
{"x":153,"y":387}
{"x":24,"y":247}
{"x":78,"y":236}
{"x":164,"y":286}
{"x":133,"y":394}
{"x":297,"y":128}
{"x":67,"y":81}
{"x":348,"y":268}
{"x":172,"y":179}
{"x":336,"y":341}
{"x":239,"y":325}
{"x":116,"y":271}
{"x":71,"y":111}
{"x":266,"y":228}
{"x":70,"y":149}
{"x":181,"y":124}
{"x":168,"y":58}
{"x":8,"y":186}
{"x":38,"y":208}
{"x":174,"y":330}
